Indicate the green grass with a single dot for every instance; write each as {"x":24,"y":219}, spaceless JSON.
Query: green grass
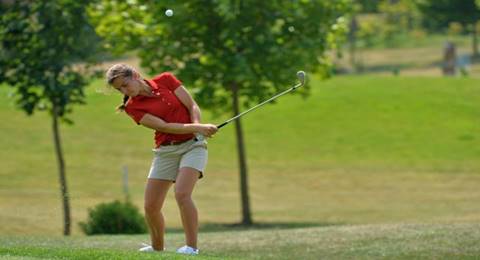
{"x":360,"y":150}
{"x":394,"y":241}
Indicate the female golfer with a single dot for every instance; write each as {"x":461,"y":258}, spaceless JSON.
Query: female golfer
{"x":180,"y":155}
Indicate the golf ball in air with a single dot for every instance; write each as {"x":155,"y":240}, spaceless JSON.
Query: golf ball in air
{"x":169,"y":12}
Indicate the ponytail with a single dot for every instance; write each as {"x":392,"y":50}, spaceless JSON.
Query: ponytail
{"x":121,"y":107}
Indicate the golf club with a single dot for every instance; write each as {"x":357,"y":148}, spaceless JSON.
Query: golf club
{"x":301,"y":78}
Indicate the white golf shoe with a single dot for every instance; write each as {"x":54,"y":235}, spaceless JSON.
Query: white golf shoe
{"x":187,"y":250}
{"x":147,"y":248}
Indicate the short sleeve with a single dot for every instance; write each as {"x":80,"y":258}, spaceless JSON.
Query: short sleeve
{"x":135,"y":114}
{"x":169,"y":80}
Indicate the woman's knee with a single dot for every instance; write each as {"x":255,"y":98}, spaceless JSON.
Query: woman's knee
{"x":182,"y":196}
{"x":151,"y":208}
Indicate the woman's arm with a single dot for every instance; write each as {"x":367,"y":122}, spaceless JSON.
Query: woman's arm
{"x":158,"y":124}
{"x":187,"y":100}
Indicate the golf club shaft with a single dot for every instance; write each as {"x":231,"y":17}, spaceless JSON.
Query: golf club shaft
{"x":259,"y":105}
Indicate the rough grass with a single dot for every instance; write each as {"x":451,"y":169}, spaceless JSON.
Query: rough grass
{"x":394,"y":241}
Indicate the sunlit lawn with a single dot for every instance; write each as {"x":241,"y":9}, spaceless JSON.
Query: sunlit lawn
{"x":359,"y":150}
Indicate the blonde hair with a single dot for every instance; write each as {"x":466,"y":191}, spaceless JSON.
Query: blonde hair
{"x":120,"y":70}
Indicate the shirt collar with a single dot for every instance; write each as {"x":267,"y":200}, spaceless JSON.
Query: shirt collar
{"x":152,"y":84}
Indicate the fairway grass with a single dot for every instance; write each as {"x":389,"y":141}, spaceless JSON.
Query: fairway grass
{"x":359,"y":150}
{"x":394,"y":241}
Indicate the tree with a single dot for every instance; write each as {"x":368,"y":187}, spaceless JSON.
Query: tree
{"x":368,"y":6}
{"x":42,"y":45}
{"x":357,"y":7}
{"x":233,"y":53}
{"x":438,"y":14}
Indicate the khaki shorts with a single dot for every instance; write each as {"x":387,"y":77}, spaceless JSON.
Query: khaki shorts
{"x":169,"y":159}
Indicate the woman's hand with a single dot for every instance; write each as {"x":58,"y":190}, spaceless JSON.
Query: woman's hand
{"x":207,"y":130}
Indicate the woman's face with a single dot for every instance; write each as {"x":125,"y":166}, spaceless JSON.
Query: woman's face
{"x":128,"y":86}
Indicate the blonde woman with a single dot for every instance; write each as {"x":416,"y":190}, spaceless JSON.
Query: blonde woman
{"x":180,"y":155}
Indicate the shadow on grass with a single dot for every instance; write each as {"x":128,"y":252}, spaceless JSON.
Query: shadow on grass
{"x":222,"y":227}
{"x":393,"y":68}
{"x":396,"y":68}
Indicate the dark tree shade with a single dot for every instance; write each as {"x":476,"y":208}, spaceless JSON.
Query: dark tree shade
{"x":437,"y":14}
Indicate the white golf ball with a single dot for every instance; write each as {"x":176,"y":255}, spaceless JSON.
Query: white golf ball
{"x":169,"y":12}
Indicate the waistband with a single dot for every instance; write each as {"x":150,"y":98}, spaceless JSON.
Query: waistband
{"x":168,"y":143}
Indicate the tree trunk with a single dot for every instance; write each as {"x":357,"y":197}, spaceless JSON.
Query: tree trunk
{"x":352,"y":42}
{"x":246,"y":214}
{"x":475,"y":41}
{"x":62,"y":176}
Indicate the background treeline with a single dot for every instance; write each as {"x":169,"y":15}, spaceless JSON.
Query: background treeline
{"x":389,"y":23}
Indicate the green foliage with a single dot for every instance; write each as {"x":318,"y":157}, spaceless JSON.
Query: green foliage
{"x":114,"y":218}
{"x":213,"y":45}
{"x":438,"y":14}
{"x":368,"y":6}
{"x":399,"y":18}
{"x":368,"y":30}
{"x":376,"y":30}
{"x":400,"y":15}
{"x":455,"y":28}
{"x":42,"y":43}
{"x":394,"y":22}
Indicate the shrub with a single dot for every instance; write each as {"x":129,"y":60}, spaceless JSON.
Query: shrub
{"x":114,"y":218}
{"x":455,"y":28}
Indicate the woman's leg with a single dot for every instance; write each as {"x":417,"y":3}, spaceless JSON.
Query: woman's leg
{"x":155,"y":194}
{"x":186,"y":179}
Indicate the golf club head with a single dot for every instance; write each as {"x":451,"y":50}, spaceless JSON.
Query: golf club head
{"x":301,"y":77}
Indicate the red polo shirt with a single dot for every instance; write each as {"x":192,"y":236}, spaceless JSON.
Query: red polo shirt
{"x":163,"y":104}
